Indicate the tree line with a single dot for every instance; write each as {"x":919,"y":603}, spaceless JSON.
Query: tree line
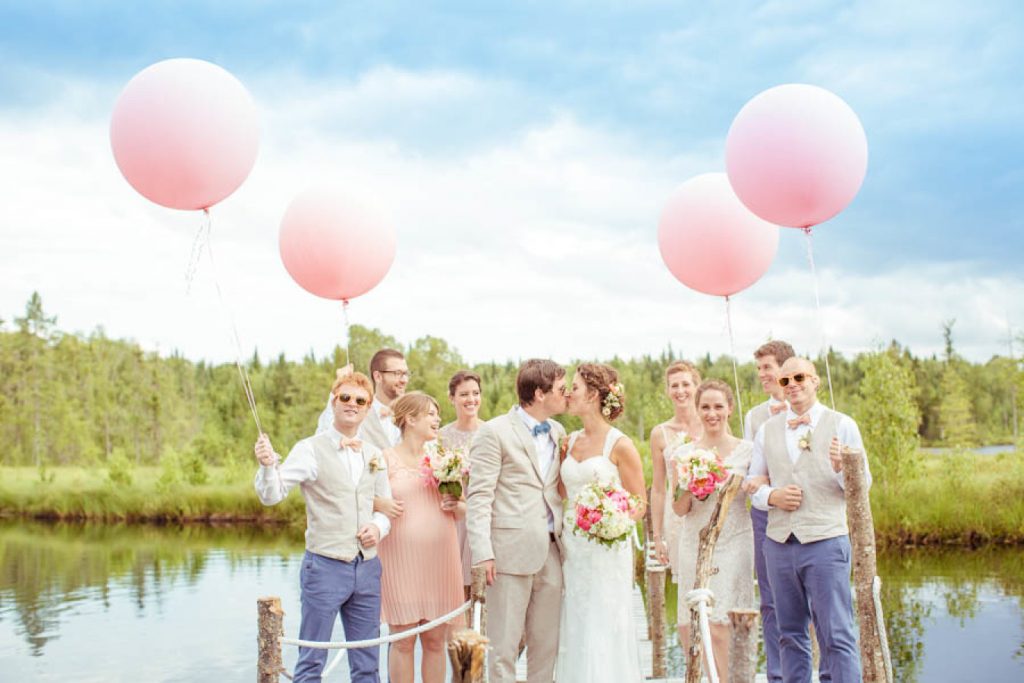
{"x":82,"y":399}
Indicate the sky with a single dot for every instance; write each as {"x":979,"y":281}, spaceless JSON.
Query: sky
{"x":523,"y":153}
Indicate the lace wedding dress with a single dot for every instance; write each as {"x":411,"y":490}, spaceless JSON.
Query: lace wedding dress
{"x":731,"y":583}
{"x":597,"y":639}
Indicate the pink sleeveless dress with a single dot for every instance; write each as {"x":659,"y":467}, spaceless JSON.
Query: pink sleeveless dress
{"x":421,"y":568}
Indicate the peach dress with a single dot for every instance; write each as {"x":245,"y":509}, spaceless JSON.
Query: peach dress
{"x":421,"y":569}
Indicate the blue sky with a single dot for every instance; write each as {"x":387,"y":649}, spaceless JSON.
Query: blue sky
{"x":590,"y":113}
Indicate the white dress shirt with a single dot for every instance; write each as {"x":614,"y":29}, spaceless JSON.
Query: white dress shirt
{"x":846,"y":431}
{"x":545,"y":447}
{"x":274,"y":482}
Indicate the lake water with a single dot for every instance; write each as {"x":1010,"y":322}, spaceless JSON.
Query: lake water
{"x":105,"y":603}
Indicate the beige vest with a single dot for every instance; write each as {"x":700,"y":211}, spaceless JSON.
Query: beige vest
{"x":757,"y":416}
{"x":335,"y":507}
{"x":822,"y":511}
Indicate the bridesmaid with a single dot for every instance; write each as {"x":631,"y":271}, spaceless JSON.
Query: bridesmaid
{"x":422,"y":572}
{"x":465,"y":394}
{"x":681,"y":380}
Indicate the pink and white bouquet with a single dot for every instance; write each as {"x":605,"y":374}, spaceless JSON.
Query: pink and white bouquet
{"x":700,"y":471}
{"x":444,"y":468}
{"x":603,"y":513}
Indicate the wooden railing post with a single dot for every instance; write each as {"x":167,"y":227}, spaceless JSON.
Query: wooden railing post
{"x":743,"y":645}
{"x":271,"y":629}
{"x":655,"y":600}
{"x":874,"y":664}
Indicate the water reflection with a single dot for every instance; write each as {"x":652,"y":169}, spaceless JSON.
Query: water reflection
{"x":68,"y":592}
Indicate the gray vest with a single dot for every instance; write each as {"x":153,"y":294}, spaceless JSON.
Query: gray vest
{"x":335,"y":507}
{"x":822,"y":511}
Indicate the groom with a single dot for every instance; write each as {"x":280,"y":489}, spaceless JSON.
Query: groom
{"x":514,"y":520}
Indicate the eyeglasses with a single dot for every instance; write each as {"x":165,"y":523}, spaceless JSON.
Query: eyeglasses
{"x":404,"y":374}
{"x":348,"y":398}
{"x":799,"y":378}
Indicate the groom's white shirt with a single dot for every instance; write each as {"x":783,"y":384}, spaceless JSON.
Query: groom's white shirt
{"x":545,"y":451}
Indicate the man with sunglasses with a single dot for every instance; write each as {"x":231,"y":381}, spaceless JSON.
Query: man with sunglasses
{"x":390,"y":375}
{"x":807,"y":550}
{"x":339,"y":475}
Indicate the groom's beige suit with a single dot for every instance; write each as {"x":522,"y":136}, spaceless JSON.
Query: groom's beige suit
{"x":515,"y":519}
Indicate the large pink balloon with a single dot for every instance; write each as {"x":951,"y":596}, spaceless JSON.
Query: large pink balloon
{"x":796,"y":155}
{"x":710,"y":241}
{"x":185,"y":133}
{"x":333,"y":247}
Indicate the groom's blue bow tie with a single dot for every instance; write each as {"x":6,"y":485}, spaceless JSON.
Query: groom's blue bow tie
{"x":542,"y":428}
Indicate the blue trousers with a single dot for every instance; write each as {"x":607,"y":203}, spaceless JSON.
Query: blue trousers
{"x":759,"y":518}
{"x":815,"y":574}
{"x":330,"y":587}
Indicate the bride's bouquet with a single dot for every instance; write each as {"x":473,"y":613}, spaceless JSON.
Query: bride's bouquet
{"x":603,"y":513}
{"x":444,"y":468}
{"x":700,"y":471}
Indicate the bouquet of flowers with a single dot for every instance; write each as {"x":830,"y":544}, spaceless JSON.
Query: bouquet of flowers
{"x":700,"y":471}
{"x":444,"y":468}
{"x":603,"y":513}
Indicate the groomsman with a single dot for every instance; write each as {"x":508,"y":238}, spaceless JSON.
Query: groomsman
{"x":769,"y":358}
{"x":807,"y":550}
{"x":390,"y":375}
{"x":339,"y":475}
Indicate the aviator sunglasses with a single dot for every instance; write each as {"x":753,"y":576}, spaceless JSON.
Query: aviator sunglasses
{"x":799,"y":378}
{"x":348,"y":398}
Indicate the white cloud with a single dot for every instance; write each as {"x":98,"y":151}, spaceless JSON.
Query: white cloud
{"x":538,"y":242}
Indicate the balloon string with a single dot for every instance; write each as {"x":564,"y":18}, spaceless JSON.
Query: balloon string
{"x":347,"y":327}
{"x":250,"y":396}
{"x":821,"y":317}
{"x":735,"y":372}
{"x":202,"y":237}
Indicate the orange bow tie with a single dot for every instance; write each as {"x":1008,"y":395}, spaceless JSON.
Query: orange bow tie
{"x":385,"y":412}
{"x":353,"y":443}
{"x":804,"y":419}
{"x":777,"y":408}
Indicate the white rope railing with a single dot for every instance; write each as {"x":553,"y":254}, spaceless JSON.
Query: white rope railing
{"x":701,"y":597}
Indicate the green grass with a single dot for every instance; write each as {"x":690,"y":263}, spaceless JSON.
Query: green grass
{"x":76,"y":493}
{"x":963,"y":499}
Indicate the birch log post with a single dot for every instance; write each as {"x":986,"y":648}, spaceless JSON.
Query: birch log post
{"x":862,"y":543}
{"x":705,"y":569}
{"x":268,"y":640}
{"x":743,"y":645}
{"x":467,"y":649}
{"x":655,"y":602}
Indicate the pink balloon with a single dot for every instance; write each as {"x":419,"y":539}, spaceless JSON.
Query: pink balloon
{"x":796,"y":155}
{"x":334,"y":248}
{"x":185,"y":133}
{"x":710,"y":241}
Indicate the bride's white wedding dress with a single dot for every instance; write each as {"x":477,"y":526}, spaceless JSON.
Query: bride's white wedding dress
{"x":597,"y":639}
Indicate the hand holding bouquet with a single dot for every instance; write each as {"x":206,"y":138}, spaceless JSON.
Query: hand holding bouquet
{"x":700,"y":471}
{"x":603,"y":513}
{"x":444,"y":468}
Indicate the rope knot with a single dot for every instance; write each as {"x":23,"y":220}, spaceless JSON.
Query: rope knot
{"x":700,"y":595}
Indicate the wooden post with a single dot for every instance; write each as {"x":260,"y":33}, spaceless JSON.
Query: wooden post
{"x":655,"y":602}
{"x":705,"y":568}
{"x":467,"y":649}
{"x":743,"y":645}
{"x":862,"y":542}
{"x":268,"y":639}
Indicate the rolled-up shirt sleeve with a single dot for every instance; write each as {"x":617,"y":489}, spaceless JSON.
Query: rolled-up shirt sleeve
{"x":382,"y":489}
{"x":759,"y":468}
{"x":848,"y":434}
{"x":274,"y":482}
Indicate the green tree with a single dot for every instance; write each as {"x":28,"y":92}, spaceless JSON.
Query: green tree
{"x":956,"y":419}
{"x":888,"y":417}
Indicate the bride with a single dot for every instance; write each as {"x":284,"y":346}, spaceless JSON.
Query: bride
{"x":597,"y":640}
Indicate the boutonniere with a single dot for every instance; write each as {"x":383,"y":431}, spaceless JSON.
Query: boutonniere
{"x":375,"y":464}
{"x":563,"y":448}
{"x":805,"y":440}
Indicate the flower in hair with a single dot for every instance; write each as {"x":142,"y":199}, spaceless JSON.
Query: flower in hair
{"x":613,"y":399}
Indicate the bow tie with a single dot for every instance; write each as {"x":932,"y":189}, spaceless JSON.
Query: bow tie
{"x":354,"y":443}
{"x":777,"y":408}
{"x":542,"y":428}
{"x":385,"y":412}
{"x":804,"y":419}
